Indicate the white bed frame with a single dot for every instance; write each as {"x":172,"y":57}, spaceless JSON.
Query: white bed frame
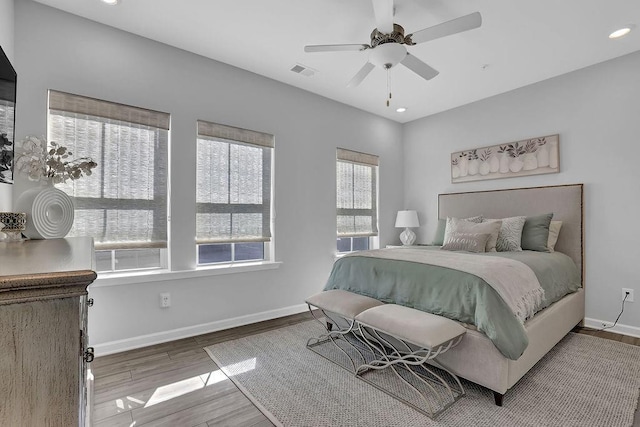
{"x":476,"y":358}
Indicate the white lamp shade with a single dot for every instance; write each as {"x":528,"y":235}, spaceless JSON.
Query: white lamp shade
{"x":407,"y":219}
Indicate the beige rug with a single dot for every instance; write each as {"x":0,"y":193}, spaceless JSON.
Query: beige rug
{"x":583,"y":381}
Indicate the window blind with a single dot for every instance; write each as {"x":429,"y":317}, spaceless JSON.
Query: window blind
{"x":233,"y":184}
{"x":357,"y":212}
{"x":123,"y":204}
{"x":7,"y":111}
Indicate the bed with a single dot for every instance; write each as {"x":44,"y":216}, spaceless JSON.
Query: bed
{"x":497,"y":363}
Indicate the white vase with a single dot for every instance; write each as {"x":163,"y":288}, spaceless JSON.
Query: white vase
{"x":504,"y":163}
{"x":543,"y":156}
{"x":494,"y":164}
{"x":455,"y":171}
{"x":463,"y":163}
{"x":516,"y":165}
{"x":49,"y":212}
{"x":474,"y":165}
{"x":530,"y":161}
{"x":485,"y":168}
{"x":553,"y":155}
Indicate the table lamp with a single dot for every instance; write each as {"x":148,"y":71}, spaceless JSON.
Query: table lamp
{"x":407,"y":219}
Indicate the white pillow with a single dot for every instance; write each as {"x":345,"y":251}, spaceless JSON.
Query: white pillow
{"x":510,"y":236}
{"x":554,"y":230}
{"x":458,"y":225}
{"x":466,"y":242}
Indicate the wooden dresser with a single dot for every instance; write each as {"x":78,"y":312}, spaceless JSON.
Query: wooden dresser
{"x":43,"y":331}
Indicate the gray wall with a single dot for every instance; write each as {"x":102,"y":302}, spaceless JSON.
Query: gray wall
{"x":595,"y":111}
{"x":6,"y":27}
{"x":64,"y":52}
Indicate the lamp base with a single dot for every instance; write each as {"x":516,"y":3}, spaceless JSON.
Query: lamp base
{"x":408,"y":237}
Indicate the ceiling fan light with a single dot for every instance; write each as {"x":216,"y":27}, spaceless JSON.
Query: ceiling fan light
{"x":387,"y":55}
{"x":621,"y":32}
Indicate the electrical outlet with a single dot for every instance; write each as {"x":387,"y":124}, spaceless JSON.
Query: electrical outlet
{"x":630,"y":292}
{"x":165,"y":300}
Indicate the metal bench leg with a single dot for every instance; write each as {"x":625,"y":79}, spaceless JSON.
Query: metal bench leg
{"x":333,"y":336}
{"x":392,"y":356}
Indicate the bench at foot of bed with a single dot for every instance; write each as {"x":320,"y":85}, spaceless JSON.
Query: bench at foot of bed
{"x":339,"y":309}
{"x":403,"y":340}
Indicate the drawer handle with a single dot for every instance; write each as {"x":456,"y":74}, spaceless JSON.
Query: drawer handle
{"x":89,"y":355}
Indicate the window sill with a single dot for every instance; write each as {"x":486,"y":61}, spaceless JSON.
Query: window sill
{"x":338,"y":255}
{"x":133,"y":277}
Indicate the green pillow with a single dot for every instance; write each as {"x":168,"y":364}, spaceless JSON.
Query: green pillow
{"x":535,"y":233}
{"x":438,"y":240}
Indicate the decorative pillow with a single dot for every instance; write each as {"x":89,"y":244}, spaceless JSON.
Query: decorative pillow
{"x":510,"y":234}
{"x":438,"y":240}
{"x":554,"y":230}
{"x":466,"y":242}
{"x":457,"y":225}
{"x":535,"y":233}
{"x":477,"y":219}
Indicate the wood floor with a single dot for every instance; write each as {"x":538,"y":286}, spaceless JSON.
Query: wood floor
{"x":177,"y":384}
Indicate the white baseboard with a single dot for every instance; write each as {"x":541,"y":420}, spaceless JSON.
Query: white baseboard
{"x":103,"y":349}
{"x":632,"y":331}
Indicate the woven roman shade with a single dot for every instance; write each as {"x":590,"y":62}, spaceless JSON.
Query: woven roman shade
{"x":7,"y":113}
{"x":357,"y":212}
{"x":233,"y":184}
{"x":83,"y":105}
{"x":123,"y":204}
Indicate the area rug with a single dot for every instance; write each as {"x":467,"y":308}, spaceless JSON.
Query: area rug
{"x":583,"y":381}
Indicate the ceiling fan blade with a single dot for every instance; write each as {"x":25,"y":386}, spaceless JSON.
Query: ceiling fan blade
{"x":383,"y":11}
{"x":360,"y":75}
{"x":419,"y":67}
{"x":335,"y":47}
{"x":458,"y":25}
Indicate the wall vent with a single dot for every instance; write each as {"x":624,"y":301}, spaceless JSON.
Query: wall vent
{"x":304,"y":70}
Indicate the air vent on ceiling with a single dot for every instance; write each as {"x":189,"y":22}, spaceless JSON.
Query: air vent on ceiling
{"x":304,"y":70}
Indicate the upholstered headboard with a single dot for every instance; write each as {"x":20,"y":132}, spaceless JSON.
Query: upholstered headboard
{"x":565,"y":201}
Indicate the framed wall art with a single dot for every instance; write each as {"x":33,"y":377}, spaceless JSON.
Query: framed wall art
{"x":533,"y":156}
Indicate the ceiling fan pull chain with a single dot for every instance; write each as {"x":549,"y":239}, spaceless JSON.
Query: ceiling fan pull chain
{"x":389,"y":85}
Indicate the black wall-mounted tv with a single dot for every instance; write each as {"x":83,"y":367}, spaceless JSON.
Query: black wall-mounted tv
{"x":7,"y":117}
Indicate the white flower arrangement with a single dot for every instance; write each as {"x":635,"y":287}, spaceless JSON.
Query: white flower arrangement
{"x":50,"y":162}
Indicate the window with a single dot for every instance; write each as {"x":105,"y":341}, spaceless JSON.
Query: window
{"x":357,"y":210}
{"x":123,"y":204}
{"x":233,"y":194}
{"x":7,"y":111}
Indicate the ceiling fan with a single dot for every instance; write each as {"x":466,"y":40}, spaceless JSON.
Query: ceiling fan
{"x":387,"y":48}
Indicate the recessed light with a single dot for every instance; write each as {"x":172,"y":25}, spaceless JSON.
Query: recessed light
{"x":401,"y":109}
{"x":621,"y":32}
{"x":111,"y":2}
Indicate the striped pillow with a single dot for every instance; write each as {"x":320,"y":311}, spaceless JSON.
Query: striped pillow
{"x":510,"y":235}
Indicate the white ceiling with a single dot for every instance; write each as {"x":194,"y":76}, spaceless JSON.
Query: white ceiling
{"x":520,"y":42}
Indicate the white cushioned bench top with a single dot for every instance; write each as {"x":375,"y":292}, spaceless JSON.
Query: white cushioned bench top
{"x":346,"y":304}
{"x":417,"y":327}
